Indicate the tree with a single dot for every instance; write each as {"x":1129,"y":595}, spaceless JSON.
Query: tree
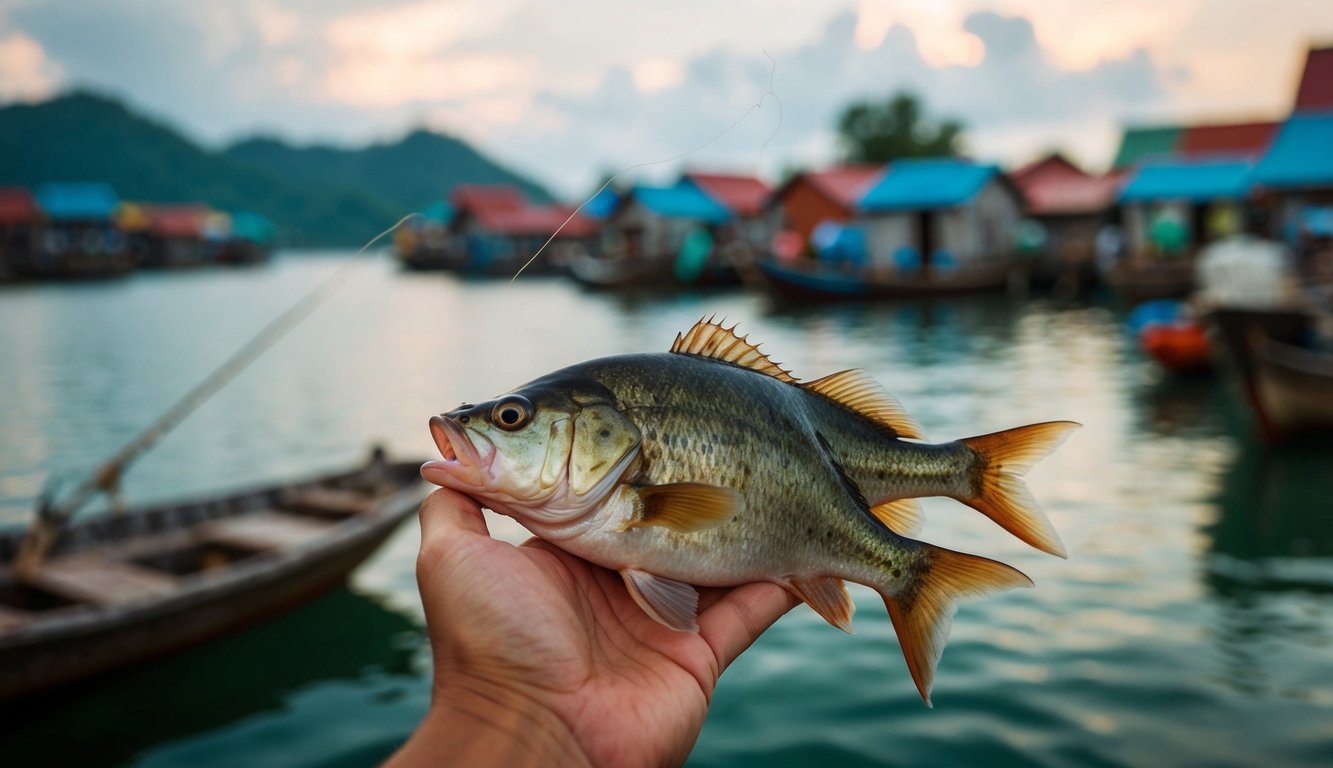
{"x":882,"y":131}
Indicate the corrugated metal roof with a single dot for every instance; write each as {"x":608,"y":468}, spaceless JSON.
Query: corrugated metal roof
{"x":17,"y":206}
{"x":742,"y":195}
{"x":1140,"y":144}
{"x":602,"y":204}
{"x":1301,"y":155}
{"x":474,"y":197}
{"x":1054,"y":186}
{"x":1234,"y":140}
{"x":916,"y":184}
{"x":1315,"y":93}
{"x":77,"y":201}
{"x":683,"y":201}
{"x":844,"y":185}
{"x":1193,"y":181}
{"x":535,"y":221}
{"x":177,"y":220}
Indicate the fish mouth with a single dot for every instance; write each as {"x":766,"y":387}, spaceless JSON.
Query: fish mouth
{"x":461,"y":465}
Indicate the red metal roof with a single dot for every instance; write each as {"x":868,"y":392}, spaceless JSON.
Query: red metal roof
{"x":1316,"y":89}
{"x":535,"y":221}
{"x":177,"y":220}
{"x":17,"y":205}
{"x":476,"y":197}
{"x":743,"y":195}
{"x":1239,"y":140}
{"x":1054,"y":186}
{"x":846,"y":184}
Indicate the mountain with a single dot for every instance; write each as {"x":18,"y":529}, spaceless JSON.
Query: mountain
{"x":317,"y":195}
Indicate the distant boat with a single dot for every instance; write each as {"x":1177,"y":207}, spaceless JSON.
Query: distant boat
{"x":817,"y":282}
{"x":1169,"y":333}
{"x":125,"y":587}
{"x":1288,"y":385}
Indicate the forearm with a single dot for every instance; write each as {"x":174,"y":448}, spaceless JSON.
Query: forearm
{"x":479,"y":724}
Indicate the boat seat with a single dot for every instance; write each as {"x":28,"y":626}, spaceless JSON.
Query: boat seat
{"x":93,"y":578}
{"x":265,"y":530}
{"x":326,"y":502}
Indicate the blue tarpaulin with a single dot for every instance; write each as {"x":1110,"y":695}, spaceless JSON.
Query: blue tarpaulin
{"x":1301,"y":154}
{"x":683,"y":201}
{"x":914,"y":184}
{"x":77,"y":201}
{"x":1197,"y":182}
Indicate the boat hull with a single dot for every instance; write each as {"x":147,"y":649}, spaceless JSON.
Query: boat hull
{"x":817,"y":284}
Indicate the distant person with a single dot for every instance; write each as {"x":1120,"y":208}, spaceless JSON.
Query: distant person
{"x":544,"y":659}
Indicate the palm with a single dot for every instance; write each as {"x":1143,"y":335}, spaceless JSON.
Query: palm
{"x":567,"y":633}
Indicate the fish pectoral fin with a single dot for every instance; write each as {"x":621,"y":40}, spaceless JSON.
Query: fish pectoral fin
{"x":903,"y":516}
{"x":857,"y":390}
{"x":685,"y":507}
{"x":669,"y":602}
{"x":828,"y":596}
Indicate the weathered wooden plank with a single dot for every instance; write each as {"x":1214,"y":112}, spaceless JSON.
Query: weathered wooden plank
{"x":96,"y":579}
{"x":265,"y":530}
{"x":326,"y":502}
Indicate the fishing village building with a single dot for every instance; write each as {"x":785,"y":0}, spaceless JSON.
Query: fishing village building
{"x":1071,"y":206}
{"x":938,"y":214}
{"x":745,"y":197}
{"x":664,"y":226}
{"x":80,"y":239}
{"x":18,"y":230}
{"x":811,"y":199}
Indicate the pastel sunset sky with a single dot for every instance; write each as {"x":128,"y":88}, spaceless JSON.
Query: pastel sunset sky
{"x":566,"y":91}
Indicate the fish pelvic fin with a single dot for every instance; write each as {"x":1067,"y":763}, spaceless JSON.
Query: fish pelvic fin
{"x":827,"y":595}
{"x":858,"y":391}
{"x":709,"y":338}
{"x":999,"y":491}
{"x":922,"y":611}
{"x":902,"y":516}
{"x":684,"y":507}
{"x":669,"y":602}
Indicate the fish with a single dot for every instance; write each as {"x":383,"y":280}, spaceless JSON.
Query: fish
{"x":710,"y":465}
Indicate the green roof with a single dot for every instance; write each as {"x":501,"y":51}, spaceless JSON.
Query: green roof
{"x":1139,"y":144}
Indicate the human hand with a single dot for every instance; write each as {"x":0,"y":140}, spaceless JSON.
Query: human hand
{"x":543,"y":658}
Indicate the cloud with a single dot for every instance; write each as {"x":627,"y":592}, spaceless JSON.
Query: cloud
{"x":26,"y":73}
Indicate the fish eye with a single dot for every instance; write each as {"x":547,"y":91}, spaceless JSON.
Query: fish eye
{"x":512,"y":413}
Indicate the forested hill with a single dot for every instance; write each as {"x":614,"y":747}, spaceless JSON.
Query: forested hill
{"x":317,"y":195}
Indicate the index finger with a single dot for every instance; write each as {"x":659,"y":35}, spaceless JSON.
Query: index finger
{"x":734,"y":622}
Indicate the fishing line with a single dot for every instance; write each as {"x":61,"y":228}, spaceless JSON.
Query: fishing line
{"x":773,"y":66}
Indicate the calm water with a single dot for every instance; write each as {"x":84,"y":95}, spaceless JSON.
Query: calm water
{"x":1192,"y":624}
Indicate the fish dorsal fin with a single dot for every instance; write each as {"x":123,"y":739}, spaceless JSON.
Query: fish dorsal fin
{"x":708,"y":338}
{"x":857,"y":390}
{"x":903,"y":516}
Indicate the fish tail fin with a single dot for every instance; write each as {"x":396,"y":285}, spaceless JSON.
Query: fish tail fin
{"x":1000,"y":492}
{"x":922,"y":611}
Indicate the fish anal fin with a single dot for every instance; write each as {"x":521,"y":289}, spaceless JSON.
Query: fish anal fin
{"x":685,"y":507}
{"x":858,"y":391}
{"x":922,"y":610}
{"x":669,"y":602}
{"x":902,"y":516}
{"x":828,"y":597}
{"x":709,"y":338}
{"x":1000,"y":492}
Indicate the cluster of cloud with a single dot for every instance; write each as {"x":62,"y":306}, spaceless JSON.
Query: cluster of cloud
{"x":571,"y":90}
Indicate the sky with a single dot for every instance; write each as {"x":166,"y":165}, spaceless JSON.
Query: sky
{"x":569,"y":91}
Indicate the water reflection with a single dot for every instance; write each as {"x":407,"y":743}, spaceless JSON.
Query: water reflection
{"x":1269,"y":568}
{"x":342,"y":637}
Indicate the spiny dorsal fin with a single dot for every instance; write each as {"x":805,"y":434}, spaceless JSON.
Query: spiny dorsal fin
{"x":858,"y":390}
{"x":708,"y":338}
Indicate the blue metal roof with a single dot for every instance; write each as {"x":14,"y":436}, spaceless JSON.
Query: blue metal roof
{"x":1301,"y":154}
{"x":1197,"y":182}
{"x":916,"y":184}
{"x":683,"y":201}
{"x":77,"y":201}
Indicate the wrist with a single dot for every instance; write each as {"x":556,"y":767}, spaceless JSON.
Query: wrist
{"x":479,"y":722}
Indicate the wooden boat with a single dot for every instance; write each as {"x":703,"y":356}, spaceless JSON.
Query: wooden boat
{"x":1288,"y":385}
{"x":620,"y":274}
{"x":124,"y":587}
{"x":815,"y":282}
